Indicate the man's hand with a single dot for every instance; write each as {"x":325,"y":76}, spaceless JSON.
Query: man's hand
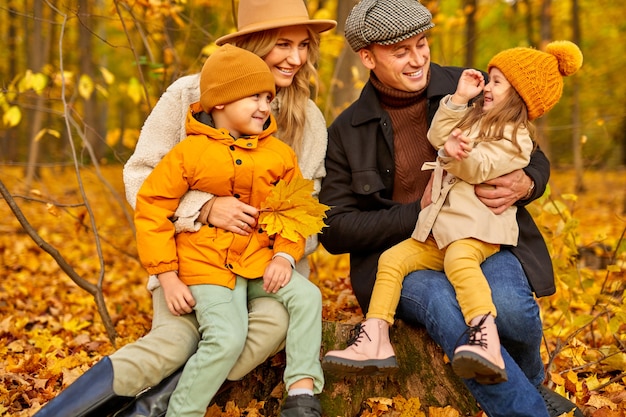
{"x":458,"y":146}
{"x":277,"y":274}
{"x":501,"y":193}
{"x":177,"y":294}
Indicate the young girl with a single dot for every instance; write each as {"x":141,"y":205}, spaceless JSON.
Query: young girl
{"x":229,"y":151}
{"x":456,"y":232}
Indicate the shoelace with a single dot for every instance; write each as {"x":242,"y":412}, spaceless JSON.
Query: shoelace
{"x":472,"y":332}
{"x":355,"y":334}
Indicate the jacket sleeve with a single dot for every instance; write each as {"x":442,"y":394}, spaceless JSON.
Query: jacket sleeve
{"x":157,"y":200}
{"x":539,"y":170}
{"x":354,"y":225}
{"x":162,"y":130}
{"x":489,"y":160}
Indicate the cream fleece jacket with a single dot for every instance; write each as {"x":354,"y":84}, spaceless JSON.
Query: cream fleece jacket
{"x":165,"y":127}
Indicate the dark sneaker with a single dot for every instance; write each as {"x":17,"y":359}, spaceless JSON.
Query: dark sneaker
{"x":301,"y":406}
{"x":557,"y":404}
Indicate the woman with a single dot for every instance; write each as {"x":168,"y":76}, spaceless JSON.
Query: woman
{"x":281,"y":33}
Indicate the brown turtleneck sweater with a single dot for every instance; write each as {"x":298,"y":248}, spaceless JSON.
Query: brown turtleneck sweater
{"x":407,"y":111}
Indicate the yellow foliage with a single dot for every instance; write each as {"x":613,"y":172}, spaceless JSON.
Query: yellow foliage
{"x":85,"y":86}
{"x":12,"y":117}
{"x":291,"y":210}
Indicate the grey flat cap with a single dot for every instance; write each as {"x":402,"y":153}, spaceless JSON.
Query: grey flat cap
{"x":385,"y":22}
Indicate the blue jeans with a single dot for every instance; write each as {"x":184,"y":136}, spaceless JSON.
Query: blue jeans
{"x":429,"y":300}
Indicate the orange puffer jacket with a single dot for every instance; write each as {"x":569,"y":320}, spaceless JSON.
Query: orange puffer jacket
{"x":213,"y":161}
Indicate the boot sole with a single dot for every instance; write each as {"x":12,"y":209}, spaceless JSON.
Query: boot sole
{"x":469,"y":365}
{"x":374,"y":367}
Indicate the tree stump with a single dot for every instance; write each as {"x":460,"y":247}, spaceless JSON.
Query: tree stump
{"x":423,"y":373}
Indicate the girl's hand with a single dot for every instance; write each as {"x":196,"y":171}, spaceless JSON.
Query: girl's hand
{"x":458,"y":146}
{"x":230,"y":214}
{"x":471,"y":83}
{"x":277,"y":274}
{"x":177,"y":294}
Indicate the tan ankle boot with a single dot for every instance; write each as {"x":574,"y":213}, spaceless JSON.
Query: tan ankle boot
{"x":369,"y":351}
{"x":481,"y":357}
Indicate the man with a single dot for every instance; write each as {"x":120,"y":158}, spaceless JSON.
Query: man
{"x":376,"y":189}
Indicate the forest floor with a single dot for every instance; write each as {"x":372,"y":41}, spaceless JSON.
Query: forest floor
{"x":50,"y":331}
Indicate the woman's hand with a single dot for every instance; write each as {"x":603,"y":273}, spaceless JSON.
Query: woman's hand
{"x":230,"y":214}
{"x":501,"y":193}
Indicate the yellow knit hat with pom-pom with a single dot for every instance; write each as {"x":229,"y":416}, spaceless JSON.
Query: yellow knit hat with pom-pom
{"x":538,"y":76}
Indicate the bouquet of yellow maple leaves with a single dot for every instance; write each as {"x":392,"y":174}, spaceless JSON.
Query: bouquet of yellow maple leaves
{"x":291,"y":211}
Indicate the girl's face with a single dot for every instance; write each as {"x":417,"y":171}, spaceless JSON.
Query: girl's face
{"x":289,"y":54}
{"x":496,"y":90}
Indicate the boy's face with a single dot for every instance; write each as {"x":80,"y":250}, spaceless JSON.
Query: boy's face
{"x":246,"y":116}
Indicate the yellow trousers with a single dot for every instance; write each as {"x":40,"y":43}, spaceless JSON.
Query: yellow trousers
{"x":460,"y":261}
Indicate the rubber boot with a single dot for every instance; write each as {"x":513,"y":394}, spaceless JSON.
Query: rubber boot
{"x":369,"y":351}
{"x":153,"y":401}
{"x":481,"y":357}
{"x":301,"y":406}
{"x":91,"y":395}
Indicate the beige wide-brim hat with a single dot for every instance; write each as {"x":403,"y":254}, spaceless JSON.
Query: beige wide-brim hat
{"x":258,"y":15}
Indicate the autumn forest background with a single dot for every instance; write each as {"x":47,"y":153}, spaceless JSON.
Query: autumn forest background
{"x":79,"y":77}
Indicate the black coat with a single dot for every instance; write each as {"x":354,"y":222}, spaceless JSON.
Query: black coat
{"x":364,"y":220}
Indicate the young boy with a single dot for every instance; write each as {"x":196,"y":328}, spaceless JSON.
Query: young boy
{"x":229,"y":151}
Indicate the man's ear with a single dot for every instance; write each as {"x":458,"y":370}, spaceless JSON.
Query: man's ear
{"x":367,"y":58}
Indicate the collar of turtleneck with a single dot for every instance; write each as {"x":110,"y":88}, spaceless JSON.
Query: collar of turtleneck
{"x":391,"y":97}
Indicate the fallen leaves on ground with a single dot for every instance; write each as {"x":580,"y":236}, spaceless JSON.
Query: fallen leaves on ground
{"x":50,"y":332}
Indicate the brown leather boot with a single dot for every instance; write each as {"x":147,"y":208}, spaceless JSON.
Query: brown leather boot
{"x":369,"y":351}
{"x":481,"y":357}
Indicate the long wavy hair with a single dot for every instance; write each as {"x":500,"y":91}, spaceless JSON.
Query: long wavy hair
{"x":291,"y":113}
{"x":491,"y":124}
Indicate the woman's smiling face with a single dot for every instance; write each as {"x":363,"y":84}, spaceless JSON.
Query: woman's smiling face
{"x":289,"y":54}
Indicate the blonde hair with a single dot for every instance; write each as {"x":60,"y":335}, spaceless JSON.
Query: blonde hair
{"x":291,"y":114}
{"x":491,"y":124}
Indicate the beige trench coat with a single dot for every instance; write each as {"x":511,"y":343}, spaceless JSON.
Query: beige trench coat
{"x":456,"y":213}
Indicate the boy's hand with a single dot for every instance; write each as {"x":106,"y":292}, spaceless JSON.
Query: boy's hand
{"x":458,"y":146}
{"x":277,"y":274}
{"x":177,"y":295}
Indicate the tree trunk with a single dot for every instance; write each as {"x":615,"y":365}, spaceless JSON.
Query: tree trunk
{"x":423,"y":374}
{"x":469,"y":8}
{"x":577,"y":142}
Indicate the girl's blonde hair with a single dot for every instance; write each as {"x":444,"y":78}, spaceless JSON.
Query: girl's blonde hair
{"x":491,"y":124}
{"x":291,"y":115}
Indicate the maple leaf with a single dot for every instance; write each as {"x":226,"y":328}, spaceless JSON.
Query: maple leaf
{"x":291,"y":210}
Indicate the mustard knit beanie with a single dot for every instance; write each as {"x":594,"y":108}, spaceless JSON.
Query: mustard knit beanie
{"x":232,"y":73}
{"x":538,"y":76}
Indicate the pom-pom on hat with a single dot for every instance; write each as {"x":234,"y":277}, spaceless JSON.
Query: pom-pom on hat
{"x":538,"y":76}
{"x":385,"y":22}
{"x":259,"y":15}
{"x":232,"y":73}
